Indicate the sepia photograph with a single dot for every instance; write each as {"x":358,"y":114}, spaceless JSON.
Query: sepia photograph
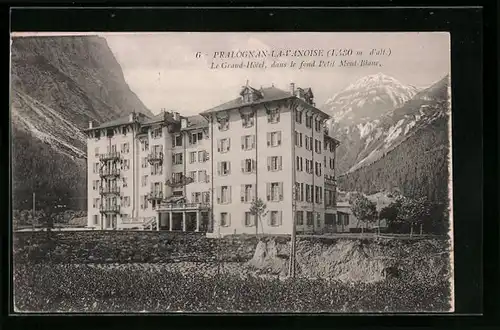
{"x":225,"y":172}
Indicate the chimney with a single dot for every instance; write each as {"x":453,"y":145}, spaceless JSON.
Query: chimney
{"x":131,"y":117}
{"x":90,"y":124}
{"x":176,"y":116}
{"x":292,"y":88}
{"x":183,"y":122}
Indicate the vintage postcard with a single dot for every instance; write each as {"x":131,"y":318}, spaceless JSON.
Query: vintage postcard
{"x":231,"y":172}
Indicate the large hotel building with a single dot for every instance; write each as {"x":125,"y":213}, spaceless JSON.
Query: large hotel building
{"x":201,"y":173}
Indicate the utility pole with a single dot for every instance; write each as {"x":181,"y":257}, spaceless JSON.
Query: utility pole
{"x":33,"y":214}
{"x":291,"y":270}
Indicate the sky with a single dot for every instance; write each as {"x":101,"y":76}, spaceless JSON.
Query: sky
{"x":162,"y":68}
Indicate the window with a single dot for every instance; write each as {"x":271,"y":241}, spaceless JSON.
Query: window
{"x":273,"y":116}
{"x":297,"y":191}
{"x":125,"y":184}
{"x":224,"y":195}
{"x":274,"y":163}
{"x":310,"y":219}
{"x":177,"y":177}
{"x":224,"y":125}
{"x":205,"y":196}
{"x":309,"y":120}
{"x":202,"y":176}
{"x":298,"y":117}
{"x":223,"y":145}
{"x":318,"y":168}
{"x":307,"y":143}
{"x":308,"y":193}
{"x":192,"y":175}
{"x":249,"y":219}
{"x":96,"y":152}
{"x":248,"y":142}
{"x":96,"y":219}
{"x":318,"y":125}
{"x":246,"y":193}
{"x":318,"y":194}
{"x":299,"y":164}
{"x":144,"y":180}
{"x":317,"y":146}
{"x":332,"y":147}
{"x":196,"y":197}
{"x":324,"y":161}
{"x":95,"y":184}
{"x":301,"y":192}
{"x":95,"y":203}
{"x":177,"y":141}
{"x":192,"y":157}
{"x":156,"y":133}
{"x":126,"y":201}
{"x":247,"y":120}
{"x":144,"y":162}
{"x":96,"y":168}
{"x":125,"y":148}
{"x":224,"y":219}
{"x":145,"y":145}
{"x":332,"y":163}
{"x":300,"y":140}
{"x":318,"y":219}
{"x":275,"y":191}
{"x":299,"y":218}
{"x":274,"y":139}
{"x":193,"y":138}
{"x":202,"y":156}
{"x":177,"y":158}
{"x":126,"y":164}
{"x":224,"y":168}
{"x":248,"y":165}
{"x":97,"y":135}
{"x":274,"y":218}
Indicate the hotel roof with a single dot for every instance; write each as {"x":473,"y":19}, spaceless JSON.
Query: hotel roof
{"x":194,"y":122}
{"x":268,"y":94}
{"x":117,"y":122}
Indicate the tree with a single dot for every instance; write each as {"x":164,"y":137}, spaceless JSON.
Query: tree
{"x":258,"y":209}
{"x":390,"y":213}
{"x":414,"y":211}
{"x":363,"y":209}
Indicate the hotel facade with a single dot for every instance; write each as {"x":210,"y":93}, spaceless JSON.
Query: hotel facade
{"x":201,"y":173}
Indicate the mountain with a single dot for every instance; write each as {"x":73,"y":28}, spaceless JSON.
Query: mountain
{"x":367,"y":99}
{"x":406,"y":148}
{"x":59,"y":84}
{"x":357,"y":112}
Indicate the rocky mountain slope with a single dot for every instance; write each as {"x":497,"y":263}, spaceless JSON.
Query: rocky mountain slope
{"x":58,"y":84}
{"x":406,"y":148}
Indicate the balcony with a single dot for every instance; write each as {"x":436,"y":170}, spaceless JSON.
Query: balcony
{"x":155,"y":157}
{"x":180,"y":182}
{"x":155,"y":195}
{"x":330,"y":179}
{"x":183,"y":206}
{"x":109,"y":172}
{"x":111,"y":190}
{"x":109,"y":208}
{"x":113,"y":155}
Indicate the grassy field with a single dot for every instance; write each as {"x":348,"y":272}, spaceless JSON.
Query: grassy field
{"x":58,"y":275}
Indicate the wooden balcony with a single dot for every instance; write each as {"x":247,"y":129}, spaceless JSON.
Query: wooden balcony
{"x":109,"y":172}
{"x":155,"y":195}
{"x":179,"y":183}
{"x":114,"y":155}
{"x":109,"y":208}
{"x":155,"y":157}
{"x":183,"y":206}
{"x":111,"y":190}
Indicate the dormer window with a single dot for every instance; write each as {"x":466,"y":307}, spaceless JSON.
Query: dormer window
{"x":273,"y":116}
{"x":247,"y":120}
{"x":124,"y":130}
{"x":223,"y":125}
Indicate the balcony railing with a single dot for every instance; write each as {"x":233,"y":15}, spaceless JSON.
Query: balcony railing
{"x":180,"y":182}
{"x":330,"y":179}
{"x":104,"y":172}
{"x":183,"y":206}
{"x":113,"y":155}
{"x":155,"y":195}
{"x":104,"y":208}
{"x":109,"y":190}
{"x":155,"y":157}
